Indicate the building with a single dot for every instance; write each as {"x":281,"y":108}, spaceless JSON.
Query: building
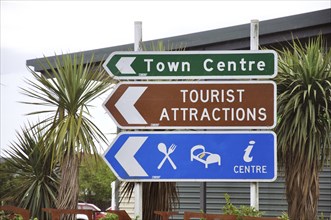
{"x":274,"y":34}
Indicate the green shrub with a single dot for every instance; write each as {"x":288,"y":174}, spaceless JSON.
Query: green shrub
{"x":243,"y":210}
{"x":284,"y":216}
{"x":110,"y":216}
{"x":5,"y":216}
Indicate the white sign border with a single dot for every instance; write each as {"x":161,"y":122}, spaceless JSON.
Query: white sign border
{"x":197,"y":127}
{"x":194,"y":180}
{"x":187,"y":53}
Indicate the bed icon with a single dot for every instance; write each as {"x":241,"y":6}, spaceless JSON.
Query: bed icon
{"x":198,"y":152}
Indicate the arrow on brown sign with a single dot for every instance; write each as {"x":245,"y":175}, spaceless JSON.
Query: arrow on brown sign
{"x":125,"y":105}
{"x":161,"y":105}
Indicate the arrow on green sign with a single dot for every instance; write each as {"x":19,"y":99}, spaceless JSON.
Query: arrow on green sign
{"x":124,"y":65}
{"x":192,"y":64}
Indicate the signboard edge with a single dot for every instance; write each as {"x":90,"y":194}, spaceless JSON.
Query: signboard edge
{"x":112,"y":54}
{"x":195,"y":180}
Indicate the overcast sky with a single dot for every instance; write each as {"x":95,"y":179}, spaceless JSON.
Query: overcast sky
{"x":31,"y":29}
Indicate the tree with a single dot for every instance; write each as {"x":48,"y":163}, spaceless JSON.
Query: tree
{"x":304,"y":123}
{"x":34,"y":181}
{"x":67,"y":85}
{"x":95,"y":179}
{"x":7,"y":182}
{"x":157,"y":196}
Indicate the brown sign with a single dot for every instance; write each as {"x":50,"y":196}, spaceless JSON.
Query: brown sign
{"x":210,"y":105}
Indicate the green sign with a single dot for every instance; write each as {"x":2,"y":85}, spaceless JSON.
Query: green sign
{"x":192,"y":64}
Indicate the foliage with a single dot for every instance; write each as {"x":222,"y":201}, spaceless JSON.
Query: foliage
{"x":110,"y":216}
{"x":8,"y":181}
{"x":95,"y":179}
{"x":284,"y":216}
{"x":156,"y":196}
{"x":304,"y":123}
{"x":161,"y":46}
{"x":5,"y":216}
{"x":36,"y":181}
{"x":67,"y":86}
{"x":230,"y":209}
{"x":322,"y":217}
{"x":304,"y":91}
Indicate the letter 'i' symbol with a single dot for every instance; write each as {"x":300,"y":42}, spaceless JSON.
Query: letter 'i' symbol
{"x":247,"y":157}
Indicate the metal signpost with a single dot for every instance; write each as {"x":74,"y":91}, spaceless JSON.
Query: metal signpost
{"x":254,"y":46}
{"x":242,"y":64}
{"x":194,"y":156}
{"x":155,"y":156}
{"x":138,"y":187}
{"x":210,"y":105}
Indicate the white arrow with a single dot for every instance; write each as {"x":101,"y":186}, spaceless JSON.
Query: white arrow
{"x":124,"y":65}
{"x":125,"y":105}
{"x":125,"y":156}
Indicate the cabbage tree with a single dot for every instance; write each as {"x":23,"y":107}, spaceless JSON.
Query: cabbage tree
{"x":35,"y":180}
{"x":66,"y":88}
{"x":304,"y":123}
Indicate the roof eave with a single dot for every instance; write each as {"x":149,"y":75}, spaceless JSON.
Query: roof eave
{"x":288,"y":25}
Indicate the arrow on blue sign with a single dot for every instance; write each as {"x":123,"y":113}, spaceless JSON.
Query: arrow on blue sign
{"x":194,"y":156}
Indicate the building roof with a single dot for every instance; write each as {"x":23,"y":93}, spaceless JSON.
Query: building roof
{"x":273,"y":32}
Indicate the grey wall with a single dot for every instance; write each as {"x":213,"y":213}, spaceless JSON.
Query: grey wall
{"x":272,"y":196}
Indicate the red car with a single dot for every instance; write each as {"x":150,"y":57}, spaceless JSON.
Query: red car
{"x":88,"y":206}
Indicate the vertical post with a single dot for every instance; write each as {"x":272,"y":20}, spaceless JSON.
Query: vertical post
{"x":138,"y":36}
{"x":254,"y":45}
{"x":203,"y":206}
{"x":114,"y":195}
{"x":138,"y":187}
{"x":115,"y":189}
{"x":254,"y":34}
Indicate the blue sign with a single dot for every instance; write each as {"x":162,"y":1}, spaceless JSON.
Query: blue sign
{"x":194,"y":156}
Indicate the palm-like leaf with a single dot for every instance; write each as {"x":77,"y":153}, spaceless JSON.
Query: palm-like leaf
{"x":67,"y":86}
{"x":304,"y":128}
{"x":36,"y":178}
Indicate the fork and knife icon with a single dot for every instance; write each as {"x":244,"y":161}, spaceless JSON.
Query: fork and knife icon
{"x":163,"y":149}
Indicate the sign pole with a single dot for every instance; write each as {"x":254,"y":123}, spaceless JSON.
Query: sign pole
{"x":114,"y":195}
{"x":138,"y":187}
{"x":254,"y":45}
